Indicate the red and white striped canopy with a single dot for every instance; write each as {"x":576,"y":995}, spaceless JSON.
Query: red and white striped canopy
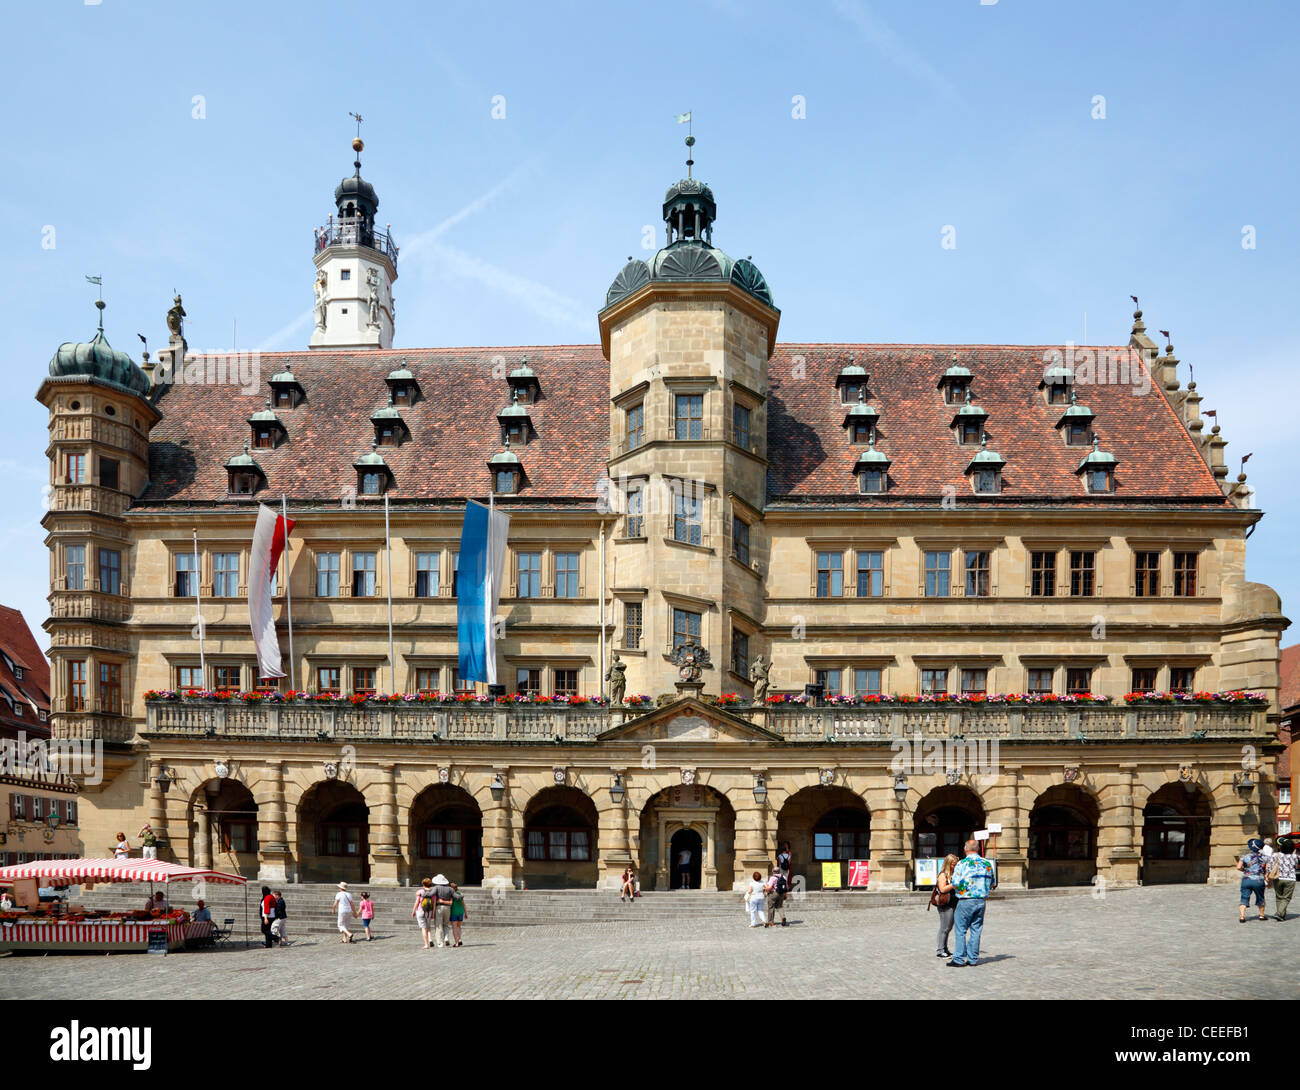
{"x":74,"y":871}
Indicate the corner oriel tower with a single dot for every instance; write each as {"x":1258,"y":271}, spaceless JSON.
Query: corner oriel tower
{"x":356,"y":265}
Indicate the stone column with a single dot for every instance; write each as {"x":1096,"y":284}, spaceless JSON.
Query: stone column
{"x":891,"y":856}
{"x":752,"y":849}
{"x":386,"y":848}
{"x":202,"y":835}
{"x":272,"y":837}
{"x":612,"y":835}
{"x":212,"y":823}
{"x":157,"y":811}
{"x":500,"y":861}
{"x":1119,"y":856}
{"x":1002,"y":807}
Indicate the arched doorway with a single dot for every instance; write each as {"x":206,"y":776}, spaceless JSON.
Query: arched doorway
{"x":334,"y":834}
{"x":1176,"y":835}
{"x":824,"y":825}
{"x":1063,"y":837}
{"x":560,"y":848}
{"x":446,"y":835}
{"x":692,"y":808}
{"x":945,"y":819}
{"x":686,"y":850}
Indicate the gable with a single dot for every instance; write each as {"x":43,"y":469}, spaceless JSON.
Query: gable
{"x":688,"y":721}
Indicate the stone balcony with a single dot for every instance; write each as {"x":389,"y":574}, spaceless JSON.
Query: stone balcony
{"x":879,"y":724}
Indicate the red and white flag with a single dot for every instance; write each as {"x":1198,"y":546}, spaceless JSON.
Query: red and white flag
{"x":269,"y":537}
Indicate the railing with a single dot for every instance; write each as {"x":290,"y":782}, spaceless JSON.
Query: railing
{"x":101,"y":501}
{"x":354,"y":232}
{"x":76,"y":605}
{"x":868,"y":724}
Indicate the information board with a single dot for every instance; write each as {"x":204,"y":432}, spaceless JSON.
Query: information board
{"x":927,"y":872}
{"x":831,"y":876}
{"x":157,"y":940}
{"x":859,"y":873}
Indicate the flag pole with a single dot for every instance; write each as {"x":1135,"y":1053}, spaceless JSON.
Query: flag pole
{"x":602,"y":608}
{"x":388,"y":565}
{"x":198,"y":608}
{"x":288,"y":596}
{"x":489,"y":648}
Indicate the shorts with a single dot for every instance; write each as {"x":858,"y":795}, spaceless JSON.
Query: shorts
{"x":422,"y":918}
{"x":1255,"y":886}
{"x":277,"y":928}
{"x":344,"y":917}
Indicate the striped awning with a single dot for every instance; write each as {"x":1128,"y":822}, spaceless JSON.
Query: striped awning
{"x":74,"y":871}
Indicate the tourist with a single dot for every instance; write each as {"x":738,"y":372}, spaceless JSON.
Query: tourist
{"x":424,"y":910}
{"x":442,"y":911}
{"x":972,"y":880}
{"x":783,"y":862}
{"x":1281,"y":869}
{"x":367,"y":913}
{"x":779,"y":887}
{"x":628,"y":892}
{"x":280,"y":925}
{"x":754,"y":900}
{"x":343,"y":905}
{"x":1268,"y":849}
{"x":149,"y":843}
{"x":457,"y":913}
{"x":1251,"y":865}
{"x":268,"y":916}
{"x":122,"y":849}
{"x":684,"y":867}
{"x":202,"y":914}
{"x":944,"y":898}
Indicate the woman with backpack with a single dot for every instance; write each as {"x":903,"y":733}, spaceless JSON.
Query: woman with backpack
{"x":422,"y":913}
{"x":944,"y":898}
{"x":1251,"y":865}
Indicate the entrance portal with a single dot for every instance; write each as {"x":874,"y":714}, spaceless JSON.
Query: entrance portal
{"x":685,"y":851}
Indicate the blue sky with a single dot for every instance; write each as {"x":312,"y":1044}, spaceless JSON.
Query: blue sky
{"x":918,"y":116}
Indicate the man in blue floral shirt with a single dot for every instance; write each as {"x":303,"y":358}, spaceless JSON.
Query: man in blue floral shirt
{"x":973,"y":879}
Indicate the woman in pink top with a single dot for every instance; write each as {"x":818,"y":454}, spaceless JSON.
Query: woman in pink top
{"x":367,"y":914}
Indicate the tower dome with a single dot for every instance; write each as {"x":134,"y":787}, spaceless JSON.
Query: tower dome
{"x":97,"y":359}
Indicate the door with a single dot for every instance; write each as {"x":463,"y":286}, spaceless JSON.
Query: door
{"x":474,"y":856}
{"x":684,"y":855}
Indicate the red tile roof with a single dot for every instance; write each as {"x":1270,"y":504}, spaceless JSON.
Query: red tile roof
{"x":454,"y":428}
{"x":1288,"y":670}
{"x":17,"y":641}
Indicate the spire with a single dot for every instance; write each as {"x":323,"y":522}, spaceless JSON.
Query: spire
{"x":1138,"y":325}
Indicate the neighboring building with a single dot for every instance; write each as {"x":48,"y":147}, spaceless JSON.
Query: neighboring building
{"x":872,"y":519}
{"x":1289,"y":699}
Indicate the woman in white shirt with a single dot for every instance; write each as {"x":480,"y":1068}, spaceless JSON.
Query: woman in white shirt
{"x":754,"y":901}
{"x":343,"y":904}
{"x":122,"y":849}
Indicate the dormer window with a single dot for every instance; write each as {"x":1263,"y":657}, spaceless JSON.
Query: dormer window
{"x":852,"y":392}
{"x":985,"y":470}
{"x":1058,"y":393}
{"x":514,"y":421}
{"x":873,"y":471}
{"x":1075,"y":423}
{"x":524,"y":387}
{"x":1057,"y":381}
{"x":968,"y":433}
{"x":283,"y":398}
{"x":403,"y":394}
{"x":863,"y":432}
{"x":968,"y":421}
{"x":872,"y":480}
{"x":506,"y":481}
{"x":243,"y":484}
{"x":515,"y":431}
{"x":373,"y":483}
{"x":988,"y":481}
{"x":390,"y":435}
{"x":267,"y":429}
{"x":402,"y":387}
{"x":955,"y":383}
{"x":852,"y":382}
{"x":374,"y":478}
{"x":955,"y":392}
{"x":1098,"y":469}
{"x":507,"y":472}
{"x":286,"y":390}
{"x":1078,"y":434}
{"x":245,"y":475}
{"x":1101,"y":480}
{"x":264,"y":437}
{"x":390,"y":428}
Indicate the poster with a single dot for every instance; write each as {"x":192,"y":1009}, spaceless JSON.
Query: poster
{"x":927,"y":872}
{"x":830,"y":876}
{"x":859,"y":873}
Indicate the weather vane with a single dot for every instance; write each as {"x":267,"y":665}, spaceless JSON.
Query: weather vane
{"x":690,"y":138}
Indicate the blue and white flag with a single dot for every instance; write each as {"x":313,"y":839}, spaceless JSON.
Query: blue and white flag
{"x":478,"y":589}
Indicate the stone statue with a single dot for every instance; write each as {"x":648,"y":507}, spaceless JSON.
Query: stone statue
{"x":372,"y":278}
{"x":616,"y":675}
{"x":758,"y":671}
{"x":176,"y":319}
{"x":321,"y":300}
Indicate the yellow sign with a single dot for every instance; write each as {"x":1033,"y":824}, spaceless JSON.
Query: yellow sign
{"x":830,"y":876}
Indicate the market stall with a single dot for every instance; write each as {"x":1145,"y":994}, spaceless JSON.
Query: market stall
{"x":71,"y":928}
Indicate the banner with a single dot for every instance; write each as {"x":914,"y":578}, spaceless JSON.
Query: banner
{"x":269,"y":537}
{"x":478,"y":590}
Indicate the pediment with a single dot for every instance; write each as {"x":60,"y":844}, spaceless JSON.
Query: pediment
{"x":690,"y":722}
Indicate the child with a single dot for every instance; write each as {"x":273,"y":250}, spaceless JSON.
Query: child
{"x":367,"y":914}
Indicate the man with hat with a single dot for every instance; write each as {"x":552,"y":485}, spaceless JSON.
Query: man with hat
{"x":442,"y":911}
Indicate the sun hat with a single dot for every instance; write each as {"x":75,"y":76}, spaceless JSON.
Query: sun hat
{"x":343,"y":885}
{"x":440,"y":880}
{"x":1254,"y":843}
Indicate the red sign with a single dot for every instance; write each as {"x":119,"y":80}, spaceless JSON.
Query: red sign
{"x":859,"y":872}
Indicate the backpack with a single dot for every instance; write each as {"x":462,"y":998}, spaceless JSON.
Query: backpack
{"x":781,"y":885}
{"x":426,"y":901}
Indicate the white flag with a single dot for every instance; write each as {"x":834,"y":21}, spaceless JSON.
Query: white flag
{"x":269,"y":537}
{"x":683,"y":118}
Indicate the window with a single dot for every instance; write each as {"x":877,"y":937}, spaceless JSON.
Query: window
{"x":871,"y":480}
{"x":1078,"y":435}
{"x":689,"y":413}
{"x":934,"y":680}
{"x":740,"y":539}
{"x":327,"y":575}
{"x":402,"y":394}
{"x":530,"y":576}
{"x":327,"y":679}
{"x":830,"y":575}
{"x":390,"y":435}
{"x":1040,"y":680}
{"x":1185,"y":575}
{"x":243,"y":484}
{"x":18,"y":808}
{"x":426,"y":575}
{"x":345,"y":274}
{"x":852,"y":392}
{"x":372,"y":483}
{"x":1058,"y":393}
{"x":686,"y":627}
{"x":1146,"y":568}
{"x":227,"y":677}
{"x":866,"y":681}
{"x":974,"y":681}
{"x":506,"y":481}
{"x":954,"y":393}
{"x":186,"y":575}
{"x":225,"y":575}
{"x":110,"y":571}
{"x":1182,"y":679}
{"x":740,"y":425}
{"x":1099,"y":480}
{"x":263,"y":437}
{"x":457,"y":684}
{"x":863,"y":432}
{"x":189,"y":677}
{"x":632,"y":625}
{"x":528,"y":680}
{"x":1081,"y":574}
{"x":566,"y":682}
{"x":1143,"y":680}
{"x":687,"y":523}
{"x":76,"y":465}
{"x":986,"y":480}
{"x":108,"y":472}
{"x":77,"y":685}
{"x":635,"y":524}
{"x":559,"y":844}
{"x":283,"y":398}
{"x":566,"y":575}
{"x":739,"y":653}
{"x":441,"y":842}
{"x":455,"y":572}
{"x":110,"y":687}
{"x":426,"y":679}
{"x":1078,"y":679}
{"x":635,"y":423}
{"x":363,"y":575}
{"x":969,"y":433}
{"x":871,"y":574}
{"x":977,"y":574}
{"x":1042,"y":574}
{"x":830,"y":680}
{"x":936,"y":574}
{"x":38,"y":808}
{"x":363,"y":680}
{"x":238,"y":835}
{"x":74,"y":567}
